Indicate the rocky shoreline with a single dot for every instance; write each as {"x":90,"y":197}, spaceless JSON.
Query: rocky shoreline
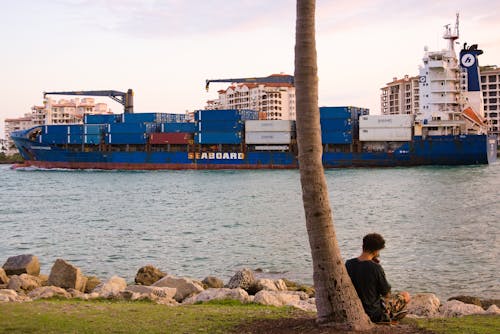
{"x":21,"y":281}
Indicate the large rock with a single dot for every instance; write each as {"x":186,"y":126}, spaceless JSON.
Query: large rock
{"x":212,"y":282}
{"x":306,"y":305}
{"x":147,"y":275}
{"x":455,"y":308}
{"x":424,"y":305}
{"x":219,"y":294}
{"x":92,"y":283}
{"x":493,"y":309}
{"x":185,"y":287}
{"x":7,"y":295}
{"x":4,"y":279}
{"x":486,"y":303}
{"x":242,"y":279}
{"x":467,"y":300}
{"x":48,"y":292}
{"x":111,"y":288}
{"x":22,"y":264}
{"x":24,"y":283}
{"x":269,"y":285}
{"x":276,"y":298}
{"x":66,"y":276}
{"x":152,"y":292}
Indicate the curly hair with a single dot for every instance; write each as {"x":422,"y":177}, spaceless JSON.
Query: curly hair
{"x":373,"y":242}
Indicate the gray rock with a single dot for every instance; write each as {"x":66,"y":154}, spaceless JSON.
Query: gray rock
{"x":424,"y":305}
{"x":24,"y":282}
{"x":67,"y":276}
{"x":455,"y":308}
{"x":276,"y":298}
{"x":242,"y":279}
{"x":219,"y":294}
{"x":4,"y":279}
{"x":111,"y":287}
{"x":212,"y":282}
{"x":22,"y":264}
{"x":147,"y":275}
{"x":269,"y":285}
{"x":152,"y":292}
{"x":185,"y":287}
{"x":48,"y":292}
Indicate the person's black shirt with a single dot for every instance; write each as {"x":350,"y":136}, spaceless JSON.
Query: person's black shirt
{"x":369,"y":280}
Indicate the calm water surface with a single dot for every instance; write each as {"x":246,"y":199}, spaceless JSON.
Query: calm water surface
{"x":441,"y":224}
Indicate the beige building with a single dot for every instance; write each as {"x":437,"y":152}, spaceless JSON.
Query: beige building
{"x":400,"y":96}
{"x":490,"y":86}
{"x":273,"y":100}
{"x":66,"y":111}
{"x":15,"y":124}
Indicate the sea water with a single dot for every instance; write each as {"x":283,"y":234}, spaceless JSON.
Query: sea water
{"x":441,"y":224}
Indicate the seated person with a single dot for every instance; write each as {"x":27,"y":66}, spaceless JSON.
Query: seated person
{"x":370,"y":283}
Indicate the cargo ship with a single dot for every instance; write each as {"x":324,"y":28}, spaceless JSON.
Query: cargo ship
{"x":449,"y":129}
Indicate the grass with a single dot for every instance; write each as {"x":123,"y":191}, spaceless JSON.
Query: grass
{"x":473,"y":324}
{"x":104,"y":316}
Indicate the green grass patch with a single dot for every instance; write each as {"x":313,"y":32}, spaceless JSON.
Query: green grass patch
{"x":74,"y":316}
{"x":474,"y":324}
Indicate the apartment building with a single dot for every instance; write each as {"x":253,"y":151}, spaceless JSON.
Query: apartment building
{"x":15,"y":124}
{"x":401,"y":96}
{"x":273,"y":100}
{"x":490,"y":86}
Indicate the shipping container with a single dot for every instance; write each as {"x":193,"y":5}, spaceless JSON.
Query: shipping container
{"x":218,"y":138}
{"x":94,"y":139}
{"x":220,"y":126}
{"x":100,"y":118}
{"x":248,"y":114}
{"x":75,"y":129}
{"x":335,"y":112}
{"x":270,"y":126}
{"x":171,"y":118}
{"x":54,"y":138}
{"x":125,"y":138}
{"x":93,"y":129}
{"x":386,"y":121}
{"x":55,"y":129}
{"x":171,"y":138}
{"x":336,"y":125}
{"x":75,"y":139}
{"x":385,"y":134}
{"x":217,"y":115}
{"x":178,"y":127}
{"x":149,"y":117}
{"x":336,"y":137}
{"x":262,"y":137}
{"x":119,"y":128}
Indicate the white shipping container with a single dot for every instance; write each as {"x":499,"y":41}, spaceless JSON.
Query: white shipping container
{"x":385,"y":134}
{"x":386,"y":121}
{"x":268,"y":126}
{"x":261,"y":137}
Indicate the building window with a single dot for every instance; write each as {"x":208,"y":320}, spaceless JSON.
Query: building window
{"x":492,"y":78}
{"x":492,"y":86}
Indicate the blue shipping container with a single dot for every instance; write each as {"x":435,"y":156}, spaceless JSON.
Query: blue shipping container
{"x":336,"y":138}
{"x":335,"y":112}
{"x":335,"y":125}
{"x":55,"y":129}
{"x":125,"y":138}
{"x":140,"y":117}
{"x":92,"y":139}
{"x":178,"y":127}
{"x":93,"y":129}
{"x":75,"y":129}
{"x":171,"y":118}
{"x":59,"y":138}
{"x":127,"y":128}
{"x":218,"y":138}
{"x":248,"y":114}
{"x":217,"y":115}
{"x":220,"y":126}
{"x":100,"y":118}
{"x":75,"y":139}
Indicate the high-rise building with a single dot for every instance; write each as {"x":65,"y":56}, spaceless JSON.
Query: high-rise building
{"x":15,"y":124}
{"x":66,"y":111}
{"x":490,"y":86}
{"x":400,"y":96}
{"x":272,"y":100}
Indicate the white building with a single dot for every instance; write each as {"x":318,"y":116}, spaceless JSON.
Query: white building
{"x":401,"y":96}
{"x":490,"y":86}
{"x":272,"y":100}
{"x":15,"y":124}
{"x":66,"y":111}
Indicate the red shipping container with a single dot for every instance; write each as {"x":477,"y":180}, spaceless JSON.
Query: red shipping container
{"x":170,"y":138}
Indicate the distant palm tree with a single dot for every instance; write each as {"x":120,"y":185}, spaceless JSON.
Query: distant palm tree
{"x":336,"y":299}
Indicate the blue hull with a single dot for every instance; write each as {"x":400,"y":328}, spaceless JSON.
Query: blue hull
{"x":438,"y":150}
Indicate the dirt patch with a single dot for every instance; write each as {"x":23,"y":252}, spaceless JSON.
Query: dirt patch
{"x":307,"y":325}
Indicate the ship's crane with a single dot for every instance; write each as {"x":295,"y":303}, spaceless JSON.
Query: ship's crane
{"x":274,"y":78}
{"x":125,"y":99}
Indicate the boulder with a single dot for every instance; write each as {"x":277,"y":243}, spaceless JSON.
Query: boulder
{"x":456,"y":308}
{"x":92,"y":282}
{"x":185,"y":287}
{"x":67,"y":276}
{"x":8,"y":295}
{"x":306,"y":305}
{"x":467,"y":300}
{"x":22,"y":264}
{"x":48,"y":292}
{"x":269,"y":285}
{"x":276,"y":298}
{"x":111,"y":288}
{"x":486,"y":303}
{"x":76,"y":294}
{"x":43,"y":279}
{"x":212,"y":282}
{"x":242,"y":279}
{"x":152,"y":292}
{"x":147,"y":275}
{"x":424,"y":305}
{"x":4,"y":279}
{"x":24,"y":282}
{"x":219,"y":294}
{"x":493,"y":309}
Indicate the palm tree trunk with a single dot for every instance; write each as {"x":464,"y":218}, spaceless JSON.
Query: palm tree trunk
{"x":336,"y":299}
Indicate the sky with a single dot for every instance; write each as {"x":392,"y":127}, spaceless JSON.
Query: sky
{"x":165,"y":49}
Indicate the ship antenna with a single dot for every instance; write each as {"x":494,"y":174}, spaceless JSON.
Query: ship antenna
{"x":451,"y":37}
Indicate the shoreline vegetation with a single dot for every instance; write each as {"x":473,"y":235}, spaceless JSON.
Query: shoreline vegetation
{"x":157,"y":302}
{"x":10,"y":159}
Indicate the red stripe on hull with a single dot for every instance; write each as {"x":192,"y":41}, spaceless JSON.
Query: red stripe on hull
{"x":144,"y":166}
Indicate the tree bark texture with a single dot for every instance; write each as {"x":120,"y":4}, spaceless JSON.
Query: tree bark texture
{"x":336,"y":299}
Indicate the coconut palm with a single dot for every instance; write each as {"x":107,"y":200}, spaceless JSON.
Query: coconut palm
{"x":336,"y":299}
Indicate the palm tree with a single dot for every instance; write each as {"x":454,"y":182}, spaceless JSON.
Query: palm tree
{"x":336,"y":299}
